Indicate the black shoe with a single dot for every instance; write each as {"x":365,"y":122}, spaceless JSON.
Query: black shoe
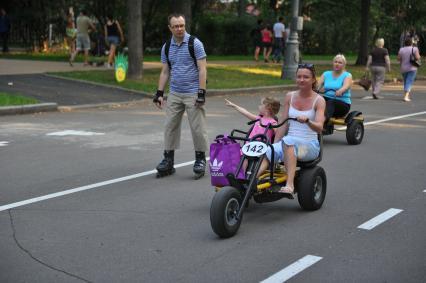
{"x":165,"y":167}
{"x":200,"y":164}
{"x":374,"y":96}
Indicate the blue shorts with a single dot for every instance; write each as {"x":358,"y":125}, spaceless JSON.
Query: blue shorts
{"x":303,"y":150}
{"x":83,"y":42}
{"x":114,"y":40}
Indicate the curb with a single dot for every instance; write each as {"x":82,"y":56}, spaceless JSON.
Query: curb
{"x":28,"y":109}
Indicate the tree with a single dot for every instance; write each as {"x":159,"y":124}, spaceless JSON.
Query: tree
{"x":242,"y":7}
{"x":183,"y":7}
{"x":134,"y":38}
{"x":363,"y":41}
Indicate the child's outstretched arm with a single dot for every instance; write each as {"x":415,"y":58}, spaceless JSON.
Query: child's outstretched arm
{"x":240,"y":109}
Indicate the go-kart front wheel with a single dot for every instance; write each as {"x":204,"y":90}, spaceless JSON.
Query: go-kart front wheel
{"x":355,"y":132}
{"x":224,"y":210}
{"x":311,"y":185}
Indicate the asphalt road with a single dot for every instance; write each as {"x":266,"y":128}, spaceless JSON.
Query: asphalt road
{"x":46,"y":88}
{"x":143,"y":229}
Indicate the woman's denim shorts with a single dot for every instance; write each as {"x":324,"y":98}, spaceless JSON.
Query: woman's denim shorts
{"x":303,"y":150}
{"x":113,"y":40}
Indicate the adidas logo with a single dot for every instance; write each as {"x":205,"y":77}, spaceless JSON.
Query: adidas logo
{"x":215,"y":166}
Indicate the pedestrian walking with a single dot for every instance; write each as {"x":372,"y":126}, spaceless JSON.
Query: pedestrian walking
{"x":408,"y":70}
{"x":83,"y":40}
{"x":378,"y":61}
{"x":256,"y":34}
{"x":114,"y":37}
{"x":183,"y":64}
{"x":4,"y":29}
{"x":267,"y":42}
{"x":279,"y":40}
{"x":70,"y":32}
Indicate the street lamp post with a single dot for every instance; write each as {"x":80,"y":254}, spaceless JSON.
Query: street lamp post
{"x":291,"y":56}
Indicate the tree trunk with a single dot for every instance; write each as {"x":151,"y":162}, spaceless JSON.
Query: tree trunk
{"x":134,"y":38}
{"x":363,"y":40}
{"x":241,"y":7}
{"x":183,"y":7}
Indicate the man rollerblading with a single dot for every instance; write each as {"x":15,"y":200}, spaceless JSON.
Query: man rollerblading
{"x":184,"y":66}
{"x":199,"y":165}
{"x":165,"y":167}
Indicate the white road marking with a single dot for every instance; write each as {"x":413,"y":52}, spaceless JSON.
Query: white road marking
{"x":387,"y":119}
{"x":379,"y":219}
{"x":292,"y":269}
{"x":74,"y":133}
{"x":88,"y":187}
{"x":4,"y":143}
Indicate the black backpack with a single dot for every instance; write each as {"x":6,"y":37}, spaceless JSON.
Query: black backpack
{"x":190,"y":49}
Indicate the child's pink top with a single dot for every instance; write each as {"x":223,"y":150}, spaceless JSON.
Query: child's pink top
{"x":258,"y":129}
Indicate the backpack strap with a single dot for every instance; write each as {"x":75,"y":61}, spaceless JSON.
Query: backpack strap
{"x":166,"y":52}
{"x":191,"y":49}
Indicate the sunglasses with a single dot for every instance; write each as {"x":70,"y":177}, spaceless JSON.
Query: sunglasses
{"x":177,"y":26}
{"x":306,"y":66}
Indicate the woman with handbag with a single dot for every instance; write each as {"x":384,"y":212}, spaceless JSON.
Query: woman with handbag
{"x":377,"y":62}
{"x":409,"y":59}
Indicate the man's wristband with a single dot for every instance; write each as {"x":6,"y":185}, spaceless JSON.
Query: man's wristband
{"x":159,"y":93}
{"x":201,"y":92}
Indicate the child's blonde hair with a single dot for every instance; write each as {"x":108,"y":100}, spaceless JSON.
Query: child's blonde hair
{"x":272,"y":104}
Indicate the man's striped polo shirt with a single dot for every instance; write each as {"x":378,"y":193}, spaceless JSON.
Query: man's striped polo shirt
{"x":184,"y":73}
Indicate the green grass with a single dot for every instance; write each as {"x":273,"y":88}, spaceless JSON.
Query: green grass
{"x":219,"y":77}
{"x":11,"y":99}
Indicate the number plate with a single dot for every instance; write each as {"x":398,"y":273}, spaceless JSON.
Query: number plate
{"x":254,"y":148}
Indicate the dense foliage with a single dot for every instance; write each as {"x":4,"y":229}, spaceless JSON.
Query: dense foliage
{"x":329,"y":26}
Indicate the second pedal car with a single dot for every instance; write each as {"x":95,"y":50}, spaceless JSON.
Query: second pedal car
{"x":354,"y":122}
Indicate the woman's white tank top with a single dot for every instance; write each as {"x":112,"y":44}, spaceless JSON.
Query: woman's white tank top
{"x":301,"y":130}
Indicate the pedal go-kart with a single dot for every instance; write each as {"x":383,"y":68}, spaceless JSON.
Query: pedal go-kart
{"x":354,"y":122}
{"x":229,"y":202}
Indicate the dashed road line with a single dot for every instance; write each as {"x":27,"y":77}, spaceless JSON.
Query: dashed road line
{"x":292,"y":269}
{"x":4,"y":143}
{"x":379,"y":219}
{"x":74,"y":133}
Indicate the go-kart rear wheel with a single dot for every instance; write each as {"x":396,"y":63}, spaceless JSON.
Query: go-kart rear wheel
{"x":223,"y":212}
{"x":355,"y":132}
{"x":311,"y":185}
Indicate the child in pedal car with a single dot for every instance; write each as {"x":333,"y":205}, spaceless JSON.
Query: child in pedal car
{"x":268,"y":109}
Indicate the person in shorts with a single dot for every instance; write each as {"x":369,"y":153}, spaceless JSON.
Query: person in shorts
{"x":301,"y":141}
{"x":114,"y":36}
{"x":83,"y":40}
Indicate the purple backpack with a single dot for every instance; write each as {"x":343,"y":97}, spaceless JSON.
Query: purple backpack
{"x":225,"y":155}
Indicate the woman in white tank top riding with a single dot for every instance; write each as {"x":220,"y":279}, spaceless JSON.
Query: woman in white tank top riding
{"x":301,"y":141}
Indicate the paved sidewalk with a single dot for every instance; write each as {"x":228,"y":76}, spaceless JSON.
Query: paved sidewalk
{"x":19,"y":67}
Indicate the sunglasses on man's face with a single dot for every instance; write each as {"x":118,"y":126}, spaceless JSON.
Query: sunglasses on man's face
{"x":177,"y":26}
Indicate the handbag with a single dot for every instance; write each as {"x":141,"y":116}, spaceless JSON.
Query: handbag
{"x":365,"y":81}
{"x":413,"y":60}
{"x":225,"y":155}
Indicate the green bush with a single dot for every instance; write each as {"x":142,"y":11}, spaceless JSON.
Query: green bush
{"x":226,"y":34}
